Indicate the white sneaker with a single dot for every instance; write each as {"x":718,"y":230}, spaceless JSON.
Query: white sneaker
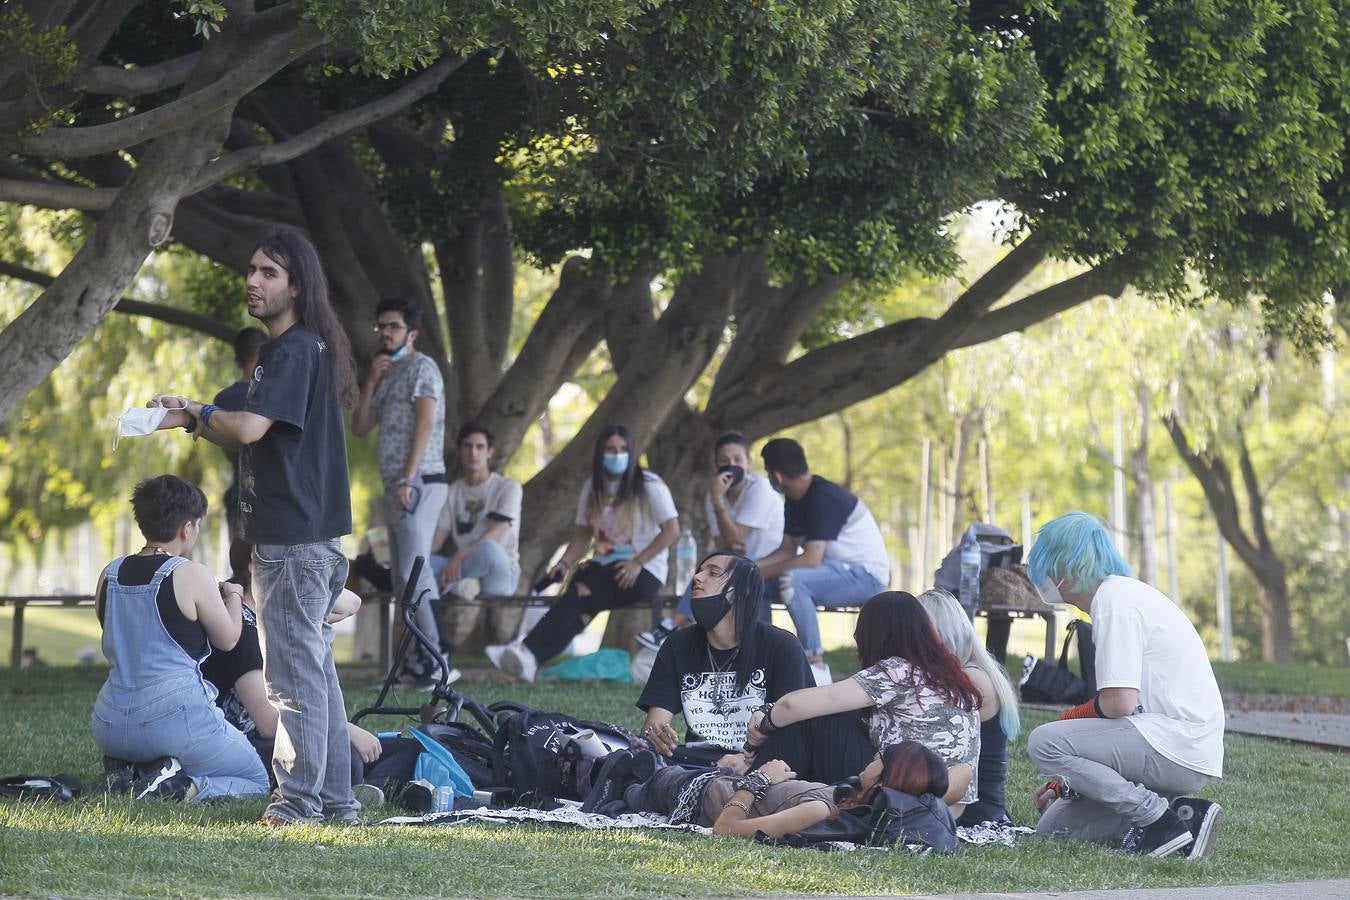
{"x":494,"y":653}
{"x":453,"y":676}
{"x":517,"y":660}
{"x":465,"y":588}
{"x":821,"y":671}
{"x":785,"y":589}
{"x":369,"y":796}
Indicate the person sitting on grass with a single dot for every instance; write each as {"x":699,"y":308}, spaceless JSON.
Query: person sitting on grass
{"x":629,"y":514}
{"x":721,"y":669}
{"x":1155,"y":728}
{"x":155,"y":719}
{"x":236,"y":674}
{"x":999,"y":721}
{"x":773,"y":801}
{"x":910,"y":688}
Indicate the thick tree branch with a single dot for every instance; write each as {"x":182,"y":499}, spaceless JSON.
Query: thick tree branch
{"x":207,"y":325}
{"x":1108,"y":280}
{"x":1256,"y":501}
{"x":331,"y":126}
{"x":50,"y":195}
{"x":1215,"y":480}
{"x":67,"y":143}
{"x":561,"y":339}
{"x":120,"y":82}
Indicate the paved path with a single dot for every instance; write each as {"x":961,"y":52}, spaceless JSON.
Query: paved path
{"x":1293,"y":890}
{"x":1322,"y":729}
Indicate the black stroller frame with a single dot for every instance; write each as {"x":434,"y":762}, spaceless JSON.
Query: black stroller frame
{"x":445,"y":704}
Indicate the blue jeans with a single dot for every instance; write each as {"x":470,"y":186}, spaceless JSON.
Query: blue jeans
{"x":295,"y":586}
{"x":832,"y":583}
{"x":178,"y":718}
{"x":488,"y":563}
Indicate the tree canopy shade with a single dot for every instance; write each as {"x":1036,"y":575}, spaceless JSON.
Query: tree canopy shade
{"x":770,"y":163}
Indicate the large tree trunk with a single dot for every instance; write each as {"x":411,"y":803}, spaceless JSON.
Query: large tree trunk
{"x":1255,"y":550}
{"x":1145,"y":512}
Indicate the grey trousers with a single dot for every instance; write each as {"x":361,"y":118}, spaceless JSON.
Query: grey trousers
{"x":410,"y":533}
{"x":295,"y":586}
{"x":1121,"y":779}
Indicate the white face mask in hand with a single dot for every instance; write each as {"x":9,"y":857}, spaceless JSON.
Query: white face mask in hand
{"x":140,"y":420}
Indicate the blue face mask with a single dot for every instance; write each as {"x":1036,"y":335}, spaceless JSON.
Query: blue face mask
{"x":400,"y":352}
{"x":616,"y":463}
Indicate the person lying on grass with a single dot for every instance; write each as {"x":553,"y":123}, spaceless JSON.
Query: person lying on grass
{"x":910,"y":688}
{"x":774,"y":802}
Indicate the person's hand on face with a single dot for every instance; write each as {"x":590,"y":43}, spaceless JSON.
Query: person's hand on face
{"x":720,"y":484}
{"x":378,"y":366}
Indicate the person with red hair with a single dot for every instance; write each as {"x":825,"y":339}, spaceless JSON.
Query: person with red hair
{"x":910,"y":688}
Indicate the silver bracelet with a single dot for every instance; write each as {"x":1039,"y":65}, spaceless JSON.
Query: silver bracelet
{"x":738,"y":804}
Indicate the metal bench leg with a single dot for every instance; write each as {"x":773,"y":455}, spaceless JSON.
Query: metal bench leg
{"x":16,"y":644}
{"x":1051,"y":632}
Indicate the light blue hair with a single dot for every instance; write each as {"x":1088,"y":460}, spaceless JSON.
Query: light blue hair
{"x":1077,"y":547}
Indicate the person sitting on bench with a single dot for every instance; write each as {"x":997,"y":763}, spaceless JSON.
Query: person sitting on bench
{"x":832,"y":552}
{"x":631,"y":517}
{"x":155,"y":719}
{"x":482,"y":515}
{"x":720,"y":670}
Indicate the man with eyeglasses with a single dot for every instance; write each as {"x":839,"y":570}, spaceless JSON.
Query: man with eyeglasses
{"x":405,"y":395}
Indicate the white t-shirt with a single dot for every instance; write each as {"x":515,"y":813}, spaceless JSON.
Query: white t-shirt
{"x":1145,"y":642}
{"x":759,"y":510}
{"x":470,"y":508}
{"x":659,"y":507}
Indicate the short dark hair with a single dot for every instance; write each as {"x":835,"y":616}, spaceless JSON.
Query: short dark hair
{"x":163,"y":503}
{"x":470,"y":428}
{"x":785,"y":455}
{"x":404,"y":306}
{"x":731,"y":437}
{"x":247,"y":343}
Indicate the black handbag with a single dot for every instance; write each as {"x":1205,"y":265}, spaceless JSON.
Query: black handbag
{"x":1044,"y":683}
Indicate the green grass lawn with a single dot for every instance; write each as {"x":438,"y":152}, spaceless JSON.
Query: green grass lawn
{"x":112,"y":847}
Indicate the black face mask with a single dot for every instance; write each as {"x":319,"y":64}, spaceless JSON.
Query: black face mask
{"x":708,"y":611}
{"x":737,"y":474}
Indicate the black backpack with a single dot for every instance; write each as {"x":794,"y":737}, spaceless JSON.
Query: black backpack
{"x":1044,"y":683}
{"x":534,"y":756}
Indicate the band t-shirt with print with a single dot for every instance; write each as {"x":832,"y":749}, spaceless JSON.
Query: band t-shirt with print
{"x":692,"y":677}
{"x":470,"y":508}
{"x":393,"y":401}
{"x":908,"y":709}
{"x":293,"y":486}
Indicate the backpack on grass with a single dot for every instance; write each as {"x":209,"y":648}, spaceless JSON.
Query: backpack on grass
{"x":537,"y":757}
{"x":1044,"y":683}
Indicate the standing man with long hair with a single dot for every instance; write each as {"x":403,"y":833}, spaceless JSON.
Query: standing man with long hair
{"x":295,"y":503}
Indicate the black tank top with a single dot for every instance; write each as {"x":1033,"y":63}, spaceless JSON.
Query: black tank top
{"x":139,"y":570}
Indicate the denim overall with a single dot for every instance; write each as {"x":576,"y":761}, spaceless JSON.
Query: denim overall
{"x":156,"y":703}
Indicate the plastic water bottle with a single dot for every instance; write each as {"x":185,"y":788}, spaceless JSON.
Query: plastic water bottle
{"x":686,"y":555}
{"x":970,"y":570}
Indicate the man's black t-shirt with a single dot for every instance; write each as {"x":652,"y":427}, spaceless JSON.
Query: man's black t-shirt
{"x":692,"y":677}
{"x":821,"y":513}
{"x":293,"y":486}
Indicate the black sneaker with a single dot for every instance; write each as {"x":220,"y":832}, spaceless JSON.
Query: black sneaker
{"x":164,"y":778}
{"x":1202,"y":817}
{"x":1164,"y":837}
{"x":119,"y":776}
{"x":653,"y":638}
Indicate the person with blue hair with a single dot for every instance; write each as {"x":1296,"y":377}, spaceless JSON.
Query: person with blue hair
{"x":1155,"y":728}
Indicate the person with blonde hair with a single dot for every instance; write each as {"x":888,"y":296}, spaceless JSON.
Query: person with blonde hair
{"x":999,"y":720}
